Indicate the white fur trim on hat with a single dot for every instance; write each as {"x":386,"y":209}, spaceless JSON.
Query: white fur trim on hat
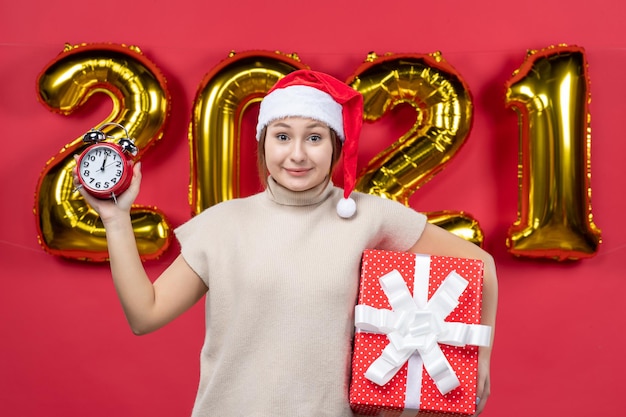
{"x":300,"y":101}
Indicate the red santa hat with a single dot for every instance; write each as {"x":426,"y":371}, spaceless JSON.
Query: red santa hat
{"x":319,"y":96}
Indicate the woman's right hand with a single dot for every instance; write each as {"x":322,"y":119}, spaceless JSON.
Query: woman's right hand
{"x":109,"y":209}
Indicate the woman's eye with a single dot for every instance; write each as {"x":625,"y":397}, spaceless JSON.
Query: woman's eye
{"x":282,"y":137}
{"x":315,"y":138}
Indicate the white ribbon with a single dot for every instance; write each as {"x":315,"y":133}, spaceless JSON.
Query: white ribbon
{"x":412,"y":329}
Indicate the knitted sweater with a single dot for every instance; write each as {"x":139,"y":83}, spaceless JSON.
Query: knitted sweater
{"x":282,"y":270}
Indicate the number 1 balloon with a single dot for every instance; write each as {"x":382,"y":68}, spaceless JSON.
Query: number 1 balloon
{"x":550,"y":93}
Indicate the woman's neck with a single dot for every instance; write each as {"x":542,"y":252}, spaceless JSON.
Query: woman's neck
{"x":285,"y":196}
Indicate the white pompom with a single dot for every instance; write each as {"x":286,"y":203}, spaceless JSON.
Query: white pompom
{"x":346,"y":207}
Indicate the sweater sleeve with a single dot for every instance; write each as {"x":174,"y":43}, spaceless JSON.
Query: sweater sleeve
{"x":192,"y":237}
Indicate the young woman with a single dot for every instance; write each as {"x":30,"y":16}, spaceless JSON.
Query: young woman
{"x":280,"y":269}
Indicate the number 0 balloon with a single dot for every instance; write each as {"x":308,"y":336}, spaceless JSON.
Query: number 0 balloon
{"x":222,"y":98}
{"x":550,"y":93}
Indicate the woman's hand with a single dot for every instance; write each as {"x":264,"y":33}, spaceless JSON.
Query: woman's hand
{"x":109,"y":209}
{"x":483,"y":389}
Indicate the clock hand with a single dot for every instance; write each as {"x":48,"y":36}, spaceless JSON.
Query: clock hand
{"x":103,"y":162}
{"x":112,"y":163}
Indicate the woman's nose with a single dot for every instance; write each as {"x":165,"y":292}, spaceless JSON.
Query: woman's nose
{"x":298,"y":152}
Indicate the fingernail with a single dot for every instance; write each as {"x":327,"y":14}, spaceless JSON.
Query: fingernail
{"x":477,"y":400}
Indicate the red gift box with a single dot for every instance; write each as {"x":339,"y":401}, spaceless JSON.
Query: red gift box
{"x":423,"y":312}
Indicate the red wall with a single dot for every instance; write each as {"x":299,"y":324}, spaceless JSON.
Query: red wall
{"x":65,"y":349}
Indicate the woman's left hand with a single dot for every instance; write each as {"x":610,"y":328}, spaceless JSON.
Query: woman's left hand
{"x":483,"y":388}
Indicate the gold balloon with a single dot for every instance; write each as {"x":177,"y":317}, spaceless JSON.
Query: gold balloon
{"x":443,"y":106}
{"x":459,"y":223}
{"x":66,"y":225}
{"x":214,"y":133}
{"x":550,"y":93}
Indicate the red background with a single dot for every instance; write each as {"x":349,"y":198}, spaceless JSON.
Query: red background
{"x":65,"y":348}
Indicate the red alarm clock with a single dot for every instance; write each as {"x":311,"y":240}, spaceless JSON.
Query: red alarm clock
{"x":105,"y":169}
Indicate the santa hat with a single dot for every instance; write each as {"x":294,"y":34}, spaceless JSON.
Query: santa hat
{"x":319,"y":96}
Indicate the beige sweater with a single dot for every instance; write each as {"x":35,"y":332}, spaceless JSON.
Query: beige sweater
{"x":282,"y":270}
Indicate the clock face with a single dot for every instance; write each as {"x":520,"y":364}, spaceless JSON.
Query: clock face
{"x":102,"y":168}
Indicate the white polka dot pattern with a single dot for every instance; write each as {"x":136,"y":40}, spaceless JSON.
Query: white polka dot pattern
{"x":368,"y":398}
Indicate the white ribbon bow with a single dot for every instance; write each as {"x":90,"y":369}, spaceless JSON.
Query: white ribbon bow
{"x":411,"y":329}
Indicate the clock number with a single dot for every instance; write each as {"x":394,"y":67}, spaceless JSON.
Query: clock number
{"x":141,"y":103}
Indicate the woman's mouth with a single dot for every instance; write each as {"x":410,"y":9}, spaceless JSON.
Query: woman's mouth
{"x":297,"y":172}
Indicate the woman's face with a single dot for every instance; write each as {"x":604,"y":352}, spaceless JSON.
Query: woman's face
{"x":298,"y":152}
